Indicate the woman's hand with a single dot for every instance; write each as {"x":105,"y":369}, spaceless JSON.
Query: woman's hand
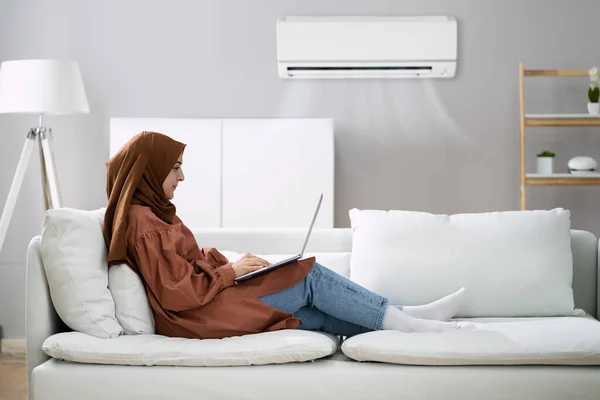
{"x":248,"y":263}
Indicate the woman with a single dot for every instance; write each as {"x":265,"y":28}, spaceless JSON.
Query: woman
{"x":192,"y":291}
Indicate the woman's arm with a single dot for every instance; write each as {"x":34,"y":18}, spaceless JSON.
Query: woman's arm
{"x":213,"y":257}
{"x":194,"y":252}
{"x":177,"y":283}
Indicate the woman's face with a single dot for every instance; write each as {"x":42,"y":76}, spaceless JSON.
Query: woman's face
{"x":173,"y":179}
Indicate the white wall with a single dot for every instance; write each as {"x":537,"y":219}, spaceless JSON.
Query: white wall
{"x":439,"y":146}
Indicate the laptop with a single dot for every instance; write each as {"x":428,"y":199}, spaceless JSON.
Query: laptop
{"x":281,"y":263}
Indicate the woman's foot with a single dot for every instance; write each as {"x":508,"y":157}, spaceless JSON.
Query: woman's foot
{"x":440,"y":310}
{"x":397,"y":320}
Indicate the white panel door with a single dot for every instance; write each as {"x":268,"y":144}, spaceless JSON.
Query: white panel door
{"x":198,"y":198}
{"x":274,"y":171}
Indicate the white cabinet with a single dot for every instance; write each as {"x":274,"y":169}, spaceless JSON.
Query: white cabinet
{"x":247,"y":173}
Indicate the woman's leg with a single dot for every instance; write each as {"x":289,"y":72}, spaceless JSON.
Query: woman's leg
{"x":316,"y":320}
{"x":334,"y":295}
{"x":345,"y":300}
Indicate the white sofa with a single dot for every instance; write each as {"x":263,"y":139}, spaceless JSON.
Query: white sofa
{"x":335,"y":376}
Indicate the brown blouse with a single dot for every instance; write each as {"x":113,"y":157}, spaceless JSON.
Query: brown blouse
{"x":191,"y":290}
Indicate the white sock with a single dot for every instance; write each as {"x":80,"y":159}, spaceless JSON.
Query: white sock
{"x":441,"y":310}
{"x":396,"y":320}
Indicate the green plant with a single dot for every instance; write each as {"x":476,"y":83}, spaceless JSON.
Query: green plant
{"x":593,"y":93}
{"x":546,"y":153}
{"x":594,"y":90}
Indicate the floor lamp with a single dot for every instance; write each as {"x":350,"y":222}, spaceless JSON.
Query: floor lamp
{"x":39,"y":87}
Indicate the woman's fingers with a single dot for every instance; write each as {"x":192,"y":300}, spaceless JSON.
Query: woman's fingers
{"x":254,"y":262}
{"x":260,"y":260}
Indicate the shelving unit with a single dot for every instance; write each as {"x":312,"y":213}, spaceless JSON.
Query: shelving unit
{"x":551,"y":120}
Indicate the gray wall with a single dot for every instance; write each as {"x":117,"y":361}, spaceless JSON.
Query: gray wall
{"x":440,"y":146}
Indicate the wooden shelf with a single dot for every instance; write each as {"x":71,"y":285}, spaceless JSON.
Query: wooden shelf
{"x":555,"y":72}
{"x":562,"y":120}
{"x":558,"y":120}
{"x":562,"y":180}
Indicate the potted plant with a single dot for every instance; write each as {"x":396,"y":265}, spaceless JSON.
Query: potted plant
{"x":594,"y":92}
{"x":545,"y":161}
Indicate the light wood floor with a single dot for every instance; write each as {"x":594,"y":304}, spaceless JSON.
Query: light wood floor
{"x":13,"y":378}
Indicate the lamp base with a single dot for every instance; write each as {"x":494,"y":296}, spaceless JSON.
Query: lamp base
{"x":52,"y":197}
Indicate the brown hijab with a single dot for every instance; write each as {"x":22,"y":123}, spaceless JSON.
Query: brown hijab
{"x":135,"y":176}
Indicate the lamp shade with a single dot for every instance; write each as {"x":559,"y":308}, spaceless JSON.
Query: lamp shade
{"x":42,"y":87}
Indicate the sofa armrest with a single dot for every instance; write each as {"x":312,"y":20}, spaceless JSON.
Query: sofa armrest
{"x":42,"y":320}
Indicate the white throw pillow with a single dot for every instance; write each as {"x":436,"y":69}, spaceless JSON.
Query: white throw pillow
{"x":278,"y":347}
{"x":131,"y":301}
{"x":513,"y":263}
{"x":74,"y":256}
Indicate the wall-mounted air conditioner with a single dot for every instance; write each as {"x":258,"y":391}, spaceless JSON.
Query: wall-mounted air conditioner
{"x":367,"y":47}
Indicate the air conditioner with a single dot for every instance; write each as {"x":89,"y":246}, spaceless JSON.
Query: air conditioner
{"x":367,"y":47}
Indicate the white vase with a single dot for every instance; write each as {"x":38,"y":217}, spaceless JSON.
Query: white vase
{"x":594,"y":108}
{"x":545,"y":165}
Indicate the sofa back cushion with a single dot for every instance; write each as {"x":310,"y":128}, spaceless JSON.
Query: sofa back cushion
{"x":274,"y":240}
{"x":513,"y":264}
{"x":74,"y":257}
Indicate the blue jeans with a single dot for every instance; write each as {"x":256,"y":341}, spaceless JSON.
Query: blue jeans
{"x":326,"y":301}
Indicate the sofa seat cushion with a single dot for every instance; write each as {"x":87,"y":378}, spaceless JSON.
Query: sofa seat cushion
{"x":276,"y":347}
{"x":487,"y":341}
